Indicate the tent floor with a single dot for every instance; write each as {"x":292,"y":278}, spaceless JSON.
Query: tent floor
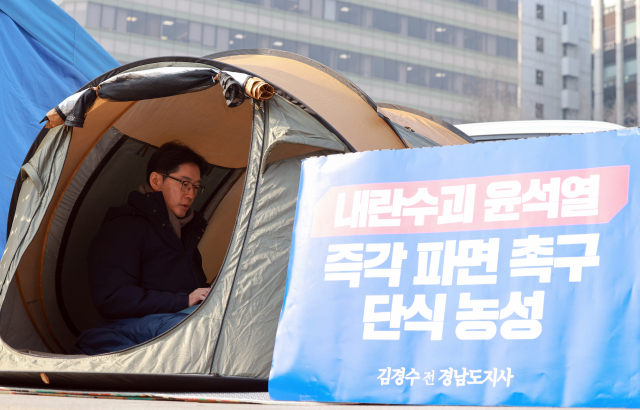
{"x":165,"y":383}
{"x":239,"y":397}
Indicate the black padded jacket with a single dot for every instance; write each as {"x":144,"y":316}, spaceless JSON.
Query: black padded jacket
{"x":137,"y":264}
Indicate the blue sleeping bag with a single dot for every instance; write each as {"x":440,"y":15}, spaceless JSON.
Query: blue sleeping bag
{"x":113,"y":335}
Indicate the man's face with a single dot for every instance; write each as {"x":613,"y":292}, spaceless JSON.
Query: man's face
{"x":177,"y":200}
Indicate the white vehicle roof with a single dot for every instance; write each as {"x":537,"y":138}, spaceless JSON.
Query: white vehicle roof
{"x":490,"y":131}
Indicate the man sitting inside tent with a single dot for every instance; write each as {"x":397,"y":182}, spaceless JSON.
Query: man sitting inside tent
{"x":145,"y":270}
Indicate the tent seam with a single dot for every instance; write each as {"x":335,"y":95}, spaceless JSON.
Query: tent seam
{"x":246,"y":234}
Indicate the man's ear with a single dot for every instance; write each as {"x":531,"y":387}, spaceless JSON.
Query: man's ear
{"x":156,"y":180}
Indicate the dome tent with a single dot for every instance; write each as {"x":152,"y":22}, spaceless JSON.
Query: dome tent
{"x":96,"y":153}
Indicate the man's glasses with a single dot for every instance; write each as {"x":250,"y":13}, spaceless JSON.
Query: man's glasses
{"x":187,"y":186}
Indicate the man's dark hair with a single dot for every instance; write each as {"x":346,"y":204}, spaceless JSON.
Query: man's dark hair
{"x":168,"y":158}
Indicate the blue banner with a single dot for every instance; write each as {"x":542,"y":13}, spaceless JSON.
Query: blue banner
{"x":503,"y":273}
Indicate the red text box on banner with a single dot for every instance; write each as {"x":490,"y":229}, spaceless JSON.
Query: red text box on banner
{"x":553,"y":198}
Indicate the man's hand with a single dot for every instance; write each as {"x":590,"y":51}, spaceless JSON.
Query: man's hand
{"x":198,"y":296}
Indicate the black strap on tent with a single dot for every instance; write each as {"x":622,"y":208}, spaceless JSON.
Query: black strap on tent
{"x":133,"y":87}
{"x":233,"y":90}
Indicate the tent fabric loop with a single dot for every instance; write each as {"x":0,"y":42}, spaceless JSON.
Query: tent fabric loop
{"x":96,"y":88}
{"x":232,"y":89}
{"x":80,"y":109}
{"x":28,"y":171}
{"x":54,"y":118}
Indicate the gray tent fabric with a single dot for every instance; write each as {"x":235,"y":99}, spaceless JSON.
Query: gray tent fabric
{"x":57,"y":228}
{"x":248,"y":335}
{"x":40,"y":176}
{"x":416,"y":140}
{"x":225,"y":280}
{"x":15,"y":326}
{"x":289,"y":124}
{"x":248,"y":332}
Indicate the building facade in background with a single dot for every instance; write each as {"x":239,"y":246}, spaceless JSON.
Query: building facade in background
{"x":615,"y":66}
{"x":460,"y":60}
{"x":555,"y":59}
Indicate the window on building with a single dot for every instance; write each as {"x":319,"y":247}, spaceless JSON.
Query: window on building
{"x":474,"y":40}
{"x":384,"y":68}
{"x":93,"y":15}
{"x":287,"y":5}
{"x":569,"y":83}
{"x":386,"y":21}
{"x":507,"y":47}
{"x":108,"y":17}
{"x":540,"y":11}
{"x":349,"y":13}
{"x":443,"y":33}
{"x":539,"y":111}
{"x":570,"y":50}
{"x":564,"y":17}
{"x":629,"y":29}
{"x":540,"y":44}
{"x":609,"y":34}
{"x":417,"y":28}
{"x":508,"y":6}
{"x":208,"y":36}
{"x":539,"y":77}
{"x":349,"y":62}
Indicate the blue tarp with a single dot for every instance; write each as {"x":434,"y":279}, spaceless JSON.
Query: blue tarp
{"x":45,"y":56}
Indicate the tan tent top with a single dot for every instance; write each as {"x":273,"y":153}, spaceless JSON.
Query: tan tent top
{"x":430,"y":126}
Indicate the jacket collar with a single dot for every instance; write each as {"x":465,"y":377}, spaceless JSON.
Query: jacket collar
{"x":176,"y":223}
{"x":152,"y":205}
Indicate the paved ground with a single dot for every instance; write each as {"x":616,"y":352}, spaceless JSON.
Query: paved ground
{"x":28,"y":402}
